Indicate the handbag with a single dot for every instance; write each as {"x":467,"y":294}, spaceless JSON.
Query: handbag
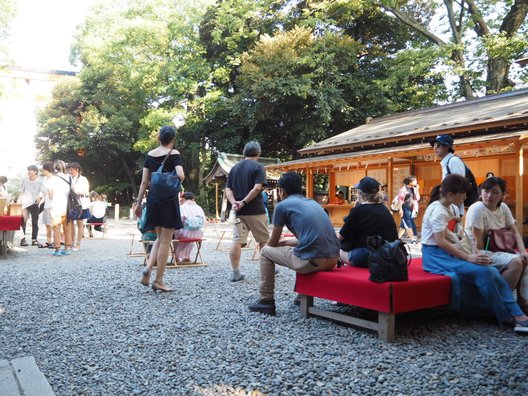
{"x":501,"y":240}
{"x":396,"y":204}
{"x":387,"y":261}
{"x":165,"y":185}
{"x":456,"y":235}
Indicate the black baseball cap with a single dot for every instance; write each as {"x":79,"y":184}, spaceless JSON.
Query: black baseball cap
{"x":446,"y":140}
{"x":368,"y":185}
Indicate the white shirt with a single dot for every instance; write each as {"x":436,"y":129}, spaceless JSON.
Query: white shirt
{"x":456,"y":165}
{"x":60,"y":191}
{"x":191,"y":209}
{"x":82,"y":188}
{"x":98,"y":209}
{"x":481,"y":217}
{"x":435,"y":220}
{"x":47,"y":188}
{"x":31,"y":191}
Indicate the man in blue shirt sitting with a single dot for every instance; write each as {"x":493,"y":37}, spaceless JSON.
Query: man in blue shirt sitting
{"x":316,"y":247}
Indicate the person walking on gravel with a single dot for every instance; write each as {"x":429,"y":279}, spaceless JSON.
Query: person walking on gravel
{"x":162,"y":215}
{"x":244,"y":184}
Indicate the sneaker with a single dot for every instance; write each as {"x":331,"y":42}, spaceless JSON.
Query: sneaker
{"x":65,"y":252}
{"x":521,"y":327}
{"x":264,"y":306}
{"x":240,"y":277}
{"x":56,"y":253}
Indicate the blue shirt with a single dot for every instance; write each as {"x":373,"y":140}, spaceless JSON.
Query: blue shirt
{"x":307,"y":220}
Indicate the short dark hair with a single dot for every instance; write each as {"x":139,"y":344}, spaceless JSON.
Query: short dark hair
{"x":3,"y":179}
{"x":48,"y":166}
{"x":455,"y":184}
{"x":74,"y":165}
{"x":167,"y":134}
{"x":491,"y":182}
{"x":33,"y":168}
{"x":188,"y":195}
{"x":291,"y":182}
{"x":252,"y":149}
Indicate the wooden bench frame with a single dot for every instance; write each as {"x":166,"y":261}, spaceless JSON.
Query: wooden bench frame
{"x":385,"y":326}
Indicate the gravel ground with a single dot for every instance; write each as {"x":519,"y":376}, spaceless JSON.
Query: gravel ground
{"x":94,"y":330}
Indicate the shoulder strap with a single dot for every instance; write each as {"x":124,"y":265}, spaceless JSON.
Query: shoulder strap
{"x":65,"y":181}
{"x":167,"y":156}
{"x":447,"y":165}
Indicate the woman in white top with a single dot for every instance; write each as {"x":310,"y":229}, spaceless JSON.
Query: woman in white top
{"x":193,"y":219}
{"x":474,"y":283}
{"x":82,"y":188}
{"x":47,"y":171}
{"x":491,"y":214}
{"x":59,"y":191}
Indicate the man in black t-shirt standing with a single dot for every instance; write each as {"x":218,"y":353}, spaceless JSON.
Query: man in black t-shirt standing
{"x":243,"y":190}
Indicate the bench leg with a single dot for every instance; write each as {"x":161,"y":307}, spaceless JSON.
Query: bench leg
{"x":386,"y":323}
{"x":306,"y":303}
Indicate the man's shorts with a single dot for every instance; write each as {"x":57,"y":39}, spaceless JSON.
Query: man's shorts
{"x":46,"y":216}
{"x":500,"y":259}
{"x":257,"y":224}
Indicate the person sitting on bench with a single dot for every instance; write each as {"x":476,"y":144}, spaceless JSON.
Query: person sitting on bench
{"x":193,"y":219}
{"x":97,"y":212}
{"x":370,"y":217}
{"x":315,"y":249}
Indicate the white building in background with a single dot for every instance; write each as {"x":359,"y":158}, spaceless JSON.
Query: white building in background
{"x":24,"y":91}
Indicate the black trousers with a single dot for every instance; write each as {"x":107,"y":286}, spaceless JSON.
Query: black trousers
{"x":32,"y":211}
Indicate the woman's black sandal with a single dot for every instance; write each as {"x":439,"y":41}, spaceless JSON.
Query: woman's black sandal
{"x":45,"y":245}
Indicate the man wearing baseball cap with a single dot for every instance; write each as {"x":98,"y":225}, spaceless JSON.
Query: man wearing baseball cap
{"x":443,"y":147}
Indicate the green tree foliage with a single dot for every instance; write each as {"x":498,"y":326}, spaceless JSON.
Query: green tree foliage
{"x":486,"y":36}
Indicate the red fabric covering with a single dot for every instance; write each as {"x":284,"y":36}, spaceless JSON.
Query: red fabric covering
{"x":10,"y":223}
{"x":187,"y":240}
{"x":350,"y":285}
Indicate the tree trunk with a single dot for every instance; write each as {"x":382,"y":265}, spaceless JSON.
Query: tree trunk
{"x":129,"y":173}
{"x":497,"y":78}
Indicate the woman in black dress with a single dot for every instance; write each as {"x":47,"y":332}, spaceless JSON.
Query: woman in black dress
{"x":162,"y":215}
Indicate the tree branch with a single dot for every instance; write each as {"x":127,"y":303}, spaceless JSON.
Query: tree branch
{"x":412,"y":23}
{"x":481,"y":27}
{"x":515,"y":17}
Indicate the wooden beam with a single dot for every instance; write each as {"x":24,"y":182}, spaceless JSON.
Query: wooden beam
{"x":519,"y":186}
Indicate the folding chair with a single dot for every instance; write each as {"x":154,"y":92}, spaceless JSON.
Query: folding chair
{"x":195,"y":263}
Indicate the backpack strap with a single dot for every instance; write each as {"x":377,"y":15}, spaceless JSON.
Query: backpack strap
{"x":65,"y":181}
{"x":447,"y":165}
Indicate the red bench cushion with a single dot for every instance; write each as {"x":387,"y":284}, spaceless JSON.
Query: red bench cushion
{"x":350,"y":285}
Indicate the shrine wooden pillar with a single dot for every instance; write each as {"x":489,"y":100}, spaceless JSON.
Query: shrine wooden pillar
{"x":519,"y":185}
{"x":309,"y":183}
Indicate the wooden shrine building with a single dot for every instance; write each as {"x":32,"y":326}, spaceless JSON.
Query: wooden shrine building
{"x":490,"y":133}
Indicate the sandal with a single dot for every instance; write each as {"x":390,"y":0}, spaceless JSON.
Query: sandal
{"x":45,"y":245}
{"x":23,"y":243}
{"x":162,"y":288}
{"x":145,"y":280}
{"x":34,"y":242}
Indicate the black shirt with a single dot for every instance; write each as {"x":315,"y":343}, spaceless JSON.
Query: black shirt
{"x":153,"y":163}
{"x":367,"y":220}
{"x":241,"y":180}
